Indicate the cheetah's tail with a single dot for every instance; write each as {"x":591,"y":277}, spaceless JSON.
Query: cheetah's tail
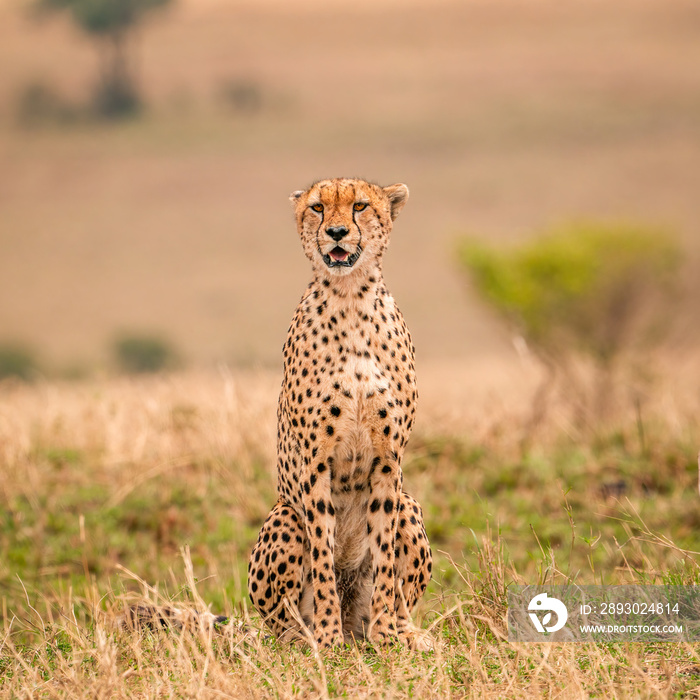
{"x":162,"y":617}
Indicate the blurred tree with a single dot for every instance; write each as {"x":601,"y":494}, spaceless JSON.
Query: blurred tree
{"x":113,"y":24}
{"x":586,"y":289}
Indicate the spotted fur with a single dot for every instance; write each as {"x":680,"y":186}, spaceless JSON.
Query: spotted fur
{"x":343,"y":553}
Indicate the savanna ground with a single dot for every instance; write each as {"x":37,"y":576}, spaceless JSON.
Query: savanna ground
{"x":121,"y":490}
{"x":511,"y":116}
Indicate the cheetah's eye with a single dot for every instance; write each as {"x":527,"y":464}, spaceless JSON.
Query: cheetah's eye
{"x":317,"y":207}
{"x":359,"y":206}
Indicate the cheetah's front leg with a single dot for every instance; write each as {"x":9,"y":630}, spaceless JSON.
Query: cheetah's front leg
{"x":412,"y":570}
{"x":385,"y":486}
{"x":320,"y":527}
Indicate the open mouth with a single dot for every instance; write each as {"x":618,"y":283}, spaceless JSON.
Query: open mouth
{"x":339,"y":257}
{"x":338,"y":254}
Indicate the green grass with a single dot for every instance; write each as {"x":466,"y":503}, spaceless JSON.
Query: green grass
{"x":84,"y":532}
{"x":574,"y":500}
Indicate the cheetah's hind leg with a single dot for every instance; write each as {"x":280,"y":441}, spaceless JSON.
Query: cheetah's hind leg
{"x":279,"y":575}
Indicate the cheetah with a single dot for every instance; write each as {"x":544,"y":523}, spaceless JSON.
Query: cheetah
{"x":343,"y":554}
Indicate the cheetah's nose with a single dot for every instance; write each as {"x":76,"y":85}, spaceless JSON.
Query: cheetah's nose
{"x":337,"y":232}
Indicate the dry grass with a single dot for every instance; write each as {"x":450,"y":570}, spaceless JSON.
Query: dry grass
{"x":472,"y":658}
{"x":117,"y":491}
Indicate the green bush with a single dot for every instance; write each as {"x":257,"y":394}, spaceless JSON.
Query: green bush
{"x":591,"y":289}
{"x":17,"y":361}
{"x":585,"y":285}
{"x":138,"y":354}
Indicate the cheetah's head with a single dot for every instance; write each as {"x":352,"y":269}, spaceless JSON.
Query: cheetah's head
{"x":345,"y":224}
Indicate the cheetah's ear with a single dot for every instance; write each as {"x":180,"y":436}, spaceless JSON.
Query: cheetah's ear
{"x":294,"y":197}
{"x":397,"y":194}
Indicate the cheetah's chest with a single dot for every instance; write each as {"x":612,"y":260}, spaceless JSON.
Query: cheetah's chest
{"x":362,"y":393}
{"x":349,"y":399}
{"x":360,"y":396}
{"x":353,"y":457}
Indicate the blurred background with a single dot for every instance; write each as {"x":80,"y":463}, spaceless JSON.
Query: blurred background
{"x":547,"y":264}
{"x":159,"y":211}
